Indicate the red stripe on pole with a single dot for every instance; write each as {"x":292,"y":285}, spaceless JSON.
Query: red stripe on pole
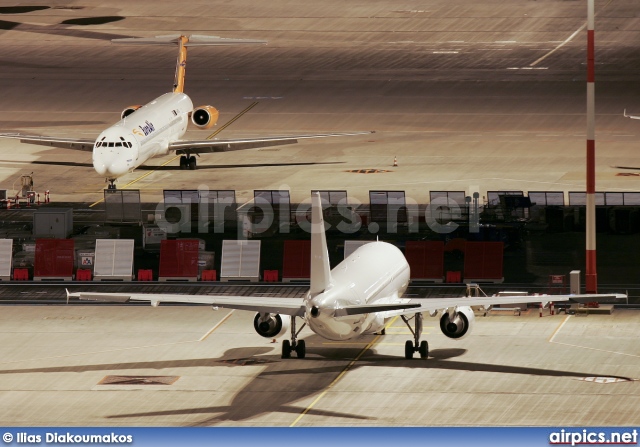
{"x":591,"y":167}
{"x":591,"y":51}
{"x":591,"y":285}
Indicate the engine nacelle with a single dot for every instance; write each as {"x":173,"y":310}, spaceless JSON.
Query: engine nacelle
{"x":271,"y":325}
{"x":205,"y":117}
{"x":458,"y":323}
{"x":128,"y":111}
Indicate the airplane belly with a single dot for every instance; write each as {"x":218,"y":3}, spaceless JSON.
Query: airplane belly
{"x":339,"y":329}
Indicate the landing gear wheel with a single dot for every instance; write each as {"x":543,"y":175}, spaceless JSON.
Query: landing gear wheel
{"x":300,"y":349}
{"x":286,"y":349}
{"x":111,"y":184}
{"x":424,"y":349}
{"x":383,"y":331}
{"x":192,"y":163}
{"x":184,"y":162}
{"x":408,"y":349}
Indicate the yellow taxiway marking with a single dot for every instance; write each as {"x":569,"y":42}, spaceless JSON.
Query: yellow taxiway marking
{"x":337,"y":379}
{"x":220,"y":323}
{"x":220,"y":129}
{"x":583,"y":347}
{"x":233,"y":120}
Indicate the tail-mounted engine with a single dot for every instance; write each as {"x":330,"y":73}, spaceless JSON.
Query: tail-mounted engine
{"x":128,"y":111}
{"x":457,"y":323}
{"x":205,"y":117}
{"x":271,"y":325}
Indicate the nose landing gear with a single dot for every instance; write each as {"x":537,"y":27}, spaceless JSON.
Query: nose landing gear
{"x":112,"y":183}
{"x":187,"y":162}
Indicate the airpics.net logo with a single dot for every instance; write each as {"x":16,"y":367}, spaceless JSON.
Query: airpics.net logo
{"x":587,"y":437}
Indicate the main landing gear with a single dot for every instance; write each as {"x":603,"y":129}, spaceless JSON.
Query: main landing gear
{"x":420,"y":346}
{"x":188,"y":162}
{"x":294,"y":345}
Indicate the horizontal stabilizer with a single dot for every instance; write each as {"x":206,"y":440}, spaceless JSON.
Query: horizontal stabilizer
{"x":194,"y":40}
{"x":371,"y":308}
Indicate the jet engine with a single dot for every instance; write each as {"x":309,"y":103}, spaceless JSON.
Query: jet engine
{"x":205,"y":117}
{"x":457,"y":323}
{"x":128,"y":111}
{"x":271,"y":325}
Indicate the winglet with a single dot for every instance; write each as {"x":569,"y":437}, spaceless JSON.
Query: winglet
{"x":320,"y":268}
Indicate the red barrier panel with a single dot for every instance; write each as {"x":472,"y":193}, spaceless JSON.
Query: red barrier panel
{"x":297,"y":260}
{"x":145,"y":275}
{"x":83,"y":275}
{"x":270,"y":275}
{"x":454,"y":277}
{"x":21,"y":274}
{"x":483,"y":260}
{"x":54,"y":258}
{"x":179,"y":258}
{"x":208,"y":275}
{"x":426,"y":259}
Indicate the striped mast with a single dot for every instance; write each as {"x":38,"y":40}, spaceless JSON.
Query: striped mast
{"x":591,"y":275}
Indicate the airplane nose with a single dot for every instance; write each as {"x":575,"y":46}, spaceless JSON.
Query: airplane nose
{"x":110,"y":163}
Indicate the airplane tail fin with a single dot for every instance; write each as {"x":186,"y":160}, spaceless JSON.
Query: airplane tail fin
{"x":320,"y":268}
{"x":183,"y":42}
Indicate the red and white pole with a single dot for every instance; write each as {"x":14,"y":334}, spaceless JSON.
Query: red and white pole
{"x":591,"y":275}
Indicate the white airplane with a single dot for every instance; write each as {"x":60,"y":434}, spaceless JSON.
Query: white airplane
{"x":357,"y":297}
{"x":155,"y":129}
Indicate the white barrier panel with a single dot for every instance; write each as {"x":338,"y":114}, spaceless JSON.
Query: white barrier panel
{"x":114,"y":259}
{"x":240,"y":261}
{"x":6,"y":251}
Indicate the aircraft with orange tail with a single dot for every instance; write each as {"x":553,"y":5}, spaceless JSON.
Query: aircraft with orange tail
{"x":156,"y":128}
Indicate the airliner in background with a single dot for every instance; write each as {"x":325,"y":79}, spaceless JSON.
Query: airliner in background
{"x":357,"y":297}
{"x":155,"y":129}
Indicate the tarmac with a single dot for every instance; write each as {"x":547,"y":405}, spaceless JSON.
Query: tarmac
{"x":191,"y":366}
{"x":467,"y":96}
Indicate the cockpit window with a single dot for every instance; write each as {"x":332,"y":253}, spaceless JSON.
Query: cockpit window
{"x":110,"y":144}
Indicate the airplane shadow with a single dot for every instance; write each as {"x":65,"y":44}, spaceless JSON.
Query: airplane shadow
{"x":282,"y":383}
{"x":64,"y":28}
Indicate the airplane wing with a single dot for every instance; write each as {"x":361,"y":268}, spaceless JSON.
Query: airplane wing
{"x":404,"y":306}
{"x":633,"y":117}
{"x":285,"y":306}
{"x":207,"y":146}
{"x":437,"y":304}
{"x":79,"y":144}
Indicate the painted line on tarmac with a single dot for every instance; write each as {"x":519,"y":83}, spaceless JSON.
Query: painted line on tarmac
{"x":564,"y":42}
{"x":204,"y":337}
{"x":233,"y":120}
{"x":340,"y":376}
{"x":551,"y":340}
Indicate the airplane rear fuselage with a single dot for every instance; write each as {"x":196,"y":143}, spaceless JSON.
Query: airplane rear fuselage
{"x":376,"y":273}
{"x":144,"y":134}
